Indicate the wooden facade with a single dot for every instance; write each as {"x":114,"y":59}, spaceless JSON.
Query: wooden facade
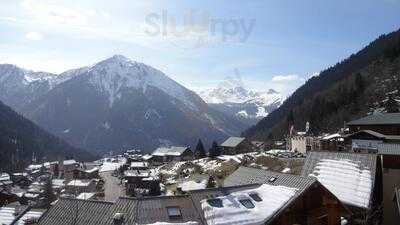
{"x":243,"y":147}
{"x":317,"y":206}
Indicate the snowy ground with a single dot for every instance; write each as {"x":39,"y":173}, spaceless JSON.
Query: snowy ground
{"x":224,"y":165}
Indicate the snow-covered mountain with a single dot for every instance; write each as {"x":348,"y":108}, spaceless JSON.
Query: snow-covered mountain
{"x":231,"y":97}
{"x":19,"y":86}
{"x":118,"y":103}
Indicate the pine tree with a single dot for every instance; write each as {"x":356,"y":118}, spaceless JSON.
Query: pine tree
{"x":214,"y":150}
{"x":211,"y":182}
{"x":360,"y":83}
{"x":200,"y":152}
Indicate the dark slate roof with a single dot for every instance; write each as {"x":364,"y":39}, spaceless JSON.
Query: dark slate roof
{"x":378,"y":119}
{"x":154,"y":209}
{"x":363,"y":162}
{"x":370,"y":132}
{"x":389,"y":149}
{"x":375,"y":134}
{"x":232,"y":142}
{"x":79,"y":212}
{"x":246,"y":175}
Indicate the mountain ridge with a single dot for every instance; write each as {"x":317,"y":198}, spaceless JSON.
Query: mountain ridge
{"x":101,"y":106}
{"x":350,"y":89}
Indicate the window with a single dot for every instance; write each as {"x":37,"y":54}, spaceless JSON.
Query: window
{"x":174,"y":212}
{"x":255,"y":197}
{"x":247,"y":203}
{"x":215,"y":202}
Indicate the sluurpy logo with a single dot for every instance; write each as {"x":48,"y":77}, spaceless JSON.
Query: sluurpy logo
{"x":198,"y":28}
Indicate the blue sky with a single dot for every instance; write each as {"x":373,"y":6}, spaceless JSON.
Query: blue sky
{"x":273,"y":44}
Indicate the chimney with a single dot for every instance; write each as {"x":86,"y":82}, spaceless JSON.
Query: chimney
{"x":118,"y":218}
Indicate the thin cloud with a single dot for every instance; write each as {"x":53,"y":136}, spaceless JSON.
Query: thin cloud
{"x":34,"y":36}
{"x":286,"y":78}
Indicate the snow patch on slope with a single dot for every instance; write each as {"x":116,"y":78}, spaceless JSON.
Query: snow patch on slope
{"x":116,"y":73}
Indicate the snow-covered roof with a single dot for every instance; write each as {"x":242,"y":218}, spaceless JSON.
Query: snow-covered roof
{"x":7,"y":215}
{"x":34,"y":166}
{"x":94,"y":169}
{"x":31,"y":195}
{"x":85,"y":195}
{"x":80,"y":183}
{"x":147,"y":157}
{"x":4,"y":177}
{"x":328,"y":137}
{"x":232,"y":141}
{"x":136,"y":173}
{"x":233,"y":211}
{"x":69,"y":162}
{"x":58,"y":182}
{"x":31,"y":214}
{"x":169,"y":151}
{"x":236,"y":158}
{"x":111,"y":166}
{"x":177,"y":223}
{"x":378,"y":119}
{"x":350,"y":177}
{"x":139,"y":164}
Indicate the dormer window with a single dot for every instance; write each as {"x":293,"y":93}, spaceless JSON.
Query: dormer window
{"x":272,"y":179}
{"x":247,"y":203}
{"x":174,"y":212}
{"x":215,"y":202}
{"x":255,"y":197}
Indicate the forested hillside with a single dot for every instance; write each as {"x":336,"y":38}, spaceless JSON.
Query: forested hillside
{"x":360,"y":84}
{"x":21,"y":140}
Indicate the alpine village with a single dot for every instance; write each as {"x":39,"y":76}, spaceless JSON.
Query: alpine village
{"x":119,"y":142}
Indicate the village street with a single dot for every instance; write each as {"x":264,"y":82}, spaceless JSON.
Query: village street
{"x":112,"y":188}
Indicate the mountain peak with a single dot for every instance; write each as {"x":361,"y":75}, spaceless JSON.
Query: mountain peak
{"x":119,"y":58}
{"x":116,"y":60}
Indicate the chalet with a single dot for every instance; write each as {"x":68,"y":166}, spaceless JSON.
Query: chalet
{"x":390,"y":158}
{"x":79,"y":212}
{"x":384,"y":123}
{"x":304,"y":143}
{"x":333,"y":142}
{"x":58,"y":185}
{"x":247,"y":204}
{"x":67,"y":167}
{"x":303,"y":196}
{"x":367,"y":141}
{"x":149,"y":210}
{"x":236,"y":145}
{"x":86,"y":195}
{"x":19,"y":214}
{"x":21,"y":179}
{"x":6,"y":197}
{"x":139,"y":165}
{"x":140,"y":182}
{"x":5,"y":181}
{"x":354,"y":178}
{"x":174,"y":153}
{"x":79,"y":173}
{"x":80,"y":186}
